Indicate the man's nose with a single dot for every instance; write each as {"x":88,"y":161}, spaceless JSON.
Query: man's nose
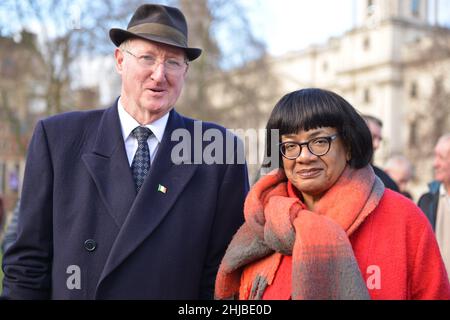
{"x":159,"y":72}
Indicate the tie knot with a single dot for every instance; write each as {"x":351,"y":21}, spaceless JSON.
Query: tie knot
{"x":141,"y":133}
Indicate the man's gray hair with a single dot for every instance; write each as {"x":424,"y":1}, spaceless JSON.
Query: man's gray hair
{"x":372,"y":119}
{"x":125,"y":45}
{"x":397,"y":161}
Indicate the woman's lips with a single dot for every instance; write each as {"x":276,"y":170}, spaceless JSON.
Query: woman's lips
{"x":309,"y":173}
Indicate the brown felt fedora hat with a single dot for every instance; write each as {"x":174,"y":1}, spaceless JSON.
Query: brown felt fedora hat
{"x":157,"y":23}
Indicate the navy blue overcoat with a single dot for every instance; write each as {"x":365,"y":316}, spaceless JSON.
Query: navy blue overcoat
{"x":85,"y":234}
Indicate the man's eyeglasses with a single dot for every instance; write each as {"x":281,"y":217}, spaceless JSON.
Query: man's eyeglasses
{"x":171,"y":65}
{"x":318,"y":146}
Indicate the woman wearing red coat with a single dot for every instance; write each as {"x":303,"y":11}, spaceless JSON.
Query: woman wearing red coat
{"x":323,"y":226}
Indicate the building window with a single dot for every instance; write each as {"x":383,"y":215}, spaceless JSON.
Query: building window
{"x":366,"y":43}
{"x":367,"y":97}
{"x":415,"y":7}
{"x":413,"y":93}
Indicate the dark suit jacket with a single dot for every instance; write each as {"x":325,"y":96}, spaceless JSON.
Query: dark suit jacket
{"x":79,"y":208}
{"x":429,"y":202}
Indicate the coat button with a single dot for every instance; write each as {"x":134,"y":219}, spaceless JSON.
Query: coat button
{"x":90,"y":245}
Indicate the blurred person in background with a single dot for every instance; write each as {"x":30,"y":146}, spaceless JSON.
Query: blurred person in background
{"x":401,"y":170}
{"x":436,"y":202}
{"x":376,"y":126}
{"x":323,"y":225}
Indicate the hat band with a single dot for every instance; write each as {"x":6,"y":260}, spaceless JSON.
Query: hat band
{"x":160,"y":30}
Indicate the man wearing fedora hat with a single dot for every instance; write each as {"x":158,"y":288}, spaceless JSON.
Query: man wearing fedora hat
{"x":106,"y":211}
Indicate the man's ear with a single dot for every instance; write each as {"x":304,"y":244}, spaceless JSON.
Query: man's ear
{"x":118,"y":55}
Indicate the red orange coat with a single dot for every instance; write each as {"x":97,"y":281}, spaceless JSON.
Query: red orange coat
{"x":396,"y":252}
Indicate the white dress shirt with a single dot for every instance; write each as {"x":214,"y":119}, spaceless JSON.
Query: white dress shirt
{"x":443,"y":226}
{"x":128,"y":124}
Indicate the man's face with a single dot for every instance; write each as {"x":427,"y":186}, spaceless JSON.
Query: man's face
{"x":375,"y":131}
{"x":150,"y":89}
{"x":442,"y":161}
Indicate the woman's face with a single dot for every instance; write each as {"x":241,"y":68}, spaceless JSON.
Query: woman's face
{"x":313,"y":175}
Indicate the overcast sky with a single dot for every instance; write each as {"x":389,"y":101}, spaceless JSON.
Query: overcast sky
{"x":288,"y":25}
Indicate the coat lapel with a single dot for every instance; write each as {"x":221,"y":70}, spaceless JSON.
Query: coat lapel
{"x":108,"y":166}
{"x":152,"y":205}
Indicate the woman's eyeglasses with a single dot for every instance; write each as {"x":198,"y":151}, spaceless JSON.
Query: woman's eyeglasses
{"x":318,"y":146}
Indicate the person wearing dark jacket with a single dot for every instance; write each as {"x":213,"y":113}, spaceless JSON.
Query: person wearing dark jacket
{"x":436,"y":202}
{"x":429,"y":202}
{"x":375,"y":126}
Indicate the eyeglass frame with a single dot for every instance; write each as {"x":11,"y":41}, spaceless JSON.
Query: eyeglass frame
{"x":329,"y":139}
{"x":139,"y":59}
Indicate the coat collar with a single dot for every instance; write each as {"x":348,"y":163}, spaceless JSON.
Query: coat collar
{"x":434,"y":187}
{"x":108,"y":166}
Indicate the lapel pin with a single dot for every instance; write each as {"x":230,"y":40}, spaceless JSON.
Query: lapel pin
{"x":162,"y":189}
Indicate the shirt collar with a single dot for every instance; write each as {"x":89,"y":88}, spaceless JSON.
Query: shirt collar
{"x":128,"y":123}
{"x":443,"y":191}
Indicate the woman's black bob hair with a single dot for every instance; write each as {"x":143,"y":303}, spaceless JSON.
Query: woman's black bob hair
{"x":314,"y":108}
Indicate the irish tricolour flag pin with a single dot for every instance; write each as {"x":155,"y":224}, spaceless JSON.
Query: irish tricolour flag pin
{"x":162,"y":189}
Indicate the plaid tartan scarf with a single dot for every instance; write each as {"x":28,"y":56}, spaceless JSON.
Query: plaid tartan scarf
{"x":277,"y":223}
